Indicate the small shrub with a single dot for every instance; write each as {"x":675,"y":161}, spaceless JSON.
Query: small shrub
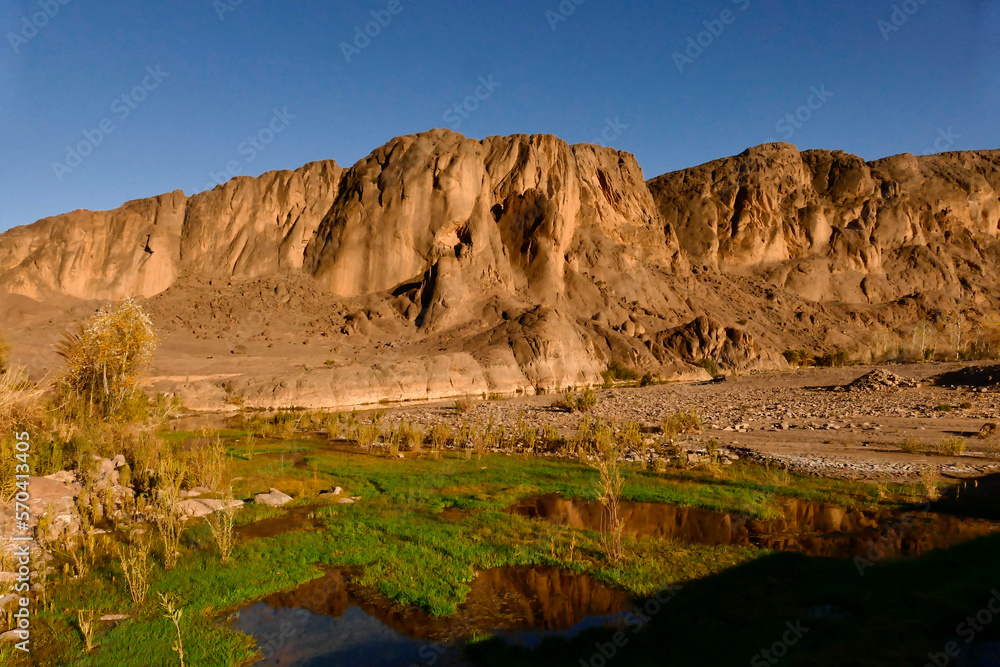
{"x":929,"y":481}
{"x":943,"y":408}
{"x":583,"y":402}
{"x":173,"y":612}
{"x":86,"y":621}
{"x":911,"y":445}
{"x":681,"y":423}
{"x":610,"y":484}
{"x":710,"y":366}
{"x":208,"y":465}
{"x":136,"y":566}
{"x":221,"y":524}
{"x":366,"y":435}
{"x":106,"y":357}
{"x":550,"y":436}
{"x":463,"y":405}
{"x":410,"y":436}
{"x":440,"y":434}
{"x":647,"y":380}
{"x":166,"y":512}
{"x":952,"y":446}
{"x":833,"y":359}
{"x":630,"y":436}
{"x":617,"y":371}
{"x":798,"y":357}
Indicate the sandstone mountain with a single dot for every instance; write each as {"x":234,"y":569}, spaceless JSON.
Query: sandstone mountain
{"x":441,"y":265}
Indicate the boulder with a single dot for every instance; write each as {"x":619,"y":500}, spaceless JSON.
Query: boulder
{"x":273,"y":498}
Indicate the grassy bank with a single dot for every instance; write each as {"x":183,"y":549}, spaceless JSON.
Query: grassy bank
{"x":422,"y":528}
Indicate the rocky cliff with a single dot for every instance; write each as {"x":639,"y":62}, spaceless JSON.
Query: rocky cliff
{"x":830,"y":227}
{"x":245,"y":228}
{"x":441,"y":265}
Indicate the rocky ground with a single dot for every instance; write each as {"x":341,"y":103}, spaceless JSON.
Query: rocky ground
{"x":843,"y":422}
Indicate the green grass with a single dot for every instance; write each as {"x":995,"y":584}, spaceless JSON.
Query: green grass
{"x":399,"y":544}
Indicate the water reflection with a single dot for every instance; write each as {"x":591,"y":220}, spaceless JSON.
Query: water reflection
{"x":812,"y":528}
{"x":334,"y":620}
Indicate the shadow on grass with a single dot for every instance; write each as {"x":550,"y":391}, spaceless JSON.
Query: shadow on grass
{"x":887,"y":614}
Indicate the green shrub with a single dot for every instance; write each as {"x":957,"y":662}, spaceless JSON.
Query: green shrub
{"x":647,"y":380}
{"x":952,"y":446}
{"x":681,"y":423}
{"x":833,"y":359}
{"x":798,"y":357}
{"x":617,"y":371}
{"x":710,"y":366}
{"x":582,"y":402}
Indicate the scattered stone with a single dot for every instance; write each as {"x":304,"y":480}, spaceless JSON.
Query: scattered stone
{"x":346,"y":501}
{"x":10,"y":636}
{"x":115,"y":617}
{"x":194,"y":508}
{"x":217,"y":505}
{"x":6,"y":600}
{"x":988,"y":430}
{"x":274,"y":498}
{"x":880,"y":380}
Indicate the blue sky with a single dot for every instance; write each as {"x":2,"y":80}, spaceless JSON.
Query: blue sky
{"x":183,"y":86}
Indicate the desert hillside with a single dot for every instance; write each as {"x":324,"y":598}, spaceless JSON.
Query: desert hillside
{"x":440,"y":265}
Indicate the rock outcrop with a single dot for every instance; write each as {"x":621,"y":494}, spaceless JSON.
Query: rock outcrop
{"x":440,"y":266}
{"x":245,"y":228}
{"x":829,"y":227}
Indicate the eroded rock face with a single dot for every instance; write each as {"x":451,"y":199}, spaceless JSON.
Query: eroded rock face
{"x":441,"y":266}
{"x":828,"y":226}
{"x":248,"y":227}
{"x":466,"y":218}
{"x":706,"y":338}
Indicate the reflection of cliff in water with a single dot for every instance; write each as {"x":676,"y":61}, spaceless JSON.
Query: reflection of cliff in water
{"x":543,"y":598}
{"x":336,"y":619}
{"x":816,"y":529}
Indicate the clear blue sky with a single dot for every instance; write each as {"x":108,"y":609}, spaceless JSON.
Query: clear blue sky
{"x":224,"y":78}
